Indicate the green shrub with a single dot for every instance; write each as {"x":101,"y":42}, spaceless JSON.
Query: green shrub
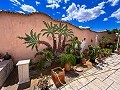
{"x":94,"y":52}
{"x":106,"y":51}
{"x":65,"y":58}
{"x":47,"y":54}
{"x":30,"y":62}
{"x":41,"y":64}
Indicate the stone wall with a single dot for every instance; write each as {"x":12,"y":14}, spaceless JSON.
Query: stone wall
{"x":14,"y":24}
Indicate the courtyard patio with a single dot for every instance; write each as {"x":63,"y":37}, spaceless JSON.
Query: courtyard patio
{"x":105,"y":76}
{"x":58,"y":56}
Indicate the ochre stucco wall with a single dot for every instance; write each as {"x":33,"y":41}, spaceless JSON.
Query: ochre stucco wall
{"x":13,"y":25}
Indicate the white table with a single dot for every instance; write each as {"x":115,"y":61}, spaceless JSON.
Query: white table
{"x":23,"y":71}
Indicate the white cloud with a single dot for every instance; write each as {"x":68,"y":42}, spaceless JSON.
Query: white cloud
{"x":53,"y":6}
{"x":105,"y":19}
{"x":37,"y":3}
{"x":82,"y":14}
{"x":16,"y":2}
{"x":28,"y":8}
{"x":118,"y":21}
{"x":58,"y":12}
{"x":23,"y":0}
{"x":78,"y":5}
{"x":21,"y":12}
{"x":83,"y":27}
{"x":66,"y":1}
{"x":63,"y":15}
{"x":53,"y":3}
{"x":64,"y":7}
{"x":114,"y":2}
{"x":116,"y":14}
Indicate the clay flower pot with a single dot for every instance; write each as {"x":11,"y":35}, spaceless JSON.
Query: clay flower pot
{"x":118,"y":49}
{"x":67,"y":66}
{"x":83,"y":61}
{"x":58,"y":75}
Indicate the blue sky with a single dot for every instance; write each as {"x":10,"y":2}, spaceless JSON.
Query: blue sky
{"x":96,"y":14}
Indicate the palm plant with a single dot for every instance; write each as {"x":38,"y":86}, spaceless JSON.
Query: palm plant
{"x":66,"y":33}
{"x":33,"y":40}
{"x":60,"y":28}
{"x":70,"y":48}
{"x":50,"y":30}
{"x":63,"y":31}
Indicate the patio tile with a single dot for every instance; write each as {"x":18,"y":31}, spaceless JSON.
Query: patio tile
{"x":100,"y":84}
{"x":117,"y":73}
{"x":52,"y":87}
{"x":75,"y":85}
{"x":62,"y":89}
{"x":68,"y":87}
{"x":83,"y":81}
{"x":110,"y":88}
{"x":91,"y":71}
{"x":84,"y":88}
{"x":108,"y":81}
{"x":92,"y":86}
{"x":115,"y":86}
{"x":90,"y":78}
{"x":116,"y":67}
{"x":102,"y":76}
{"x":118,"y":70}
{"x":115,"y":78}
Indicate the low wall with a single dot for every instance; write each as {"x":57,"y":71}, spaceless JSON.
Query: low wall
{"x":14,"y":24}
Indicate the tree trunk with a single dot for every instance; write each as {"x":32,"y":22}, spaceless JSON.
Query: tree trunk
{"x":63,"y":43}
{"x":45,"y":43}
{"x":59,"y":43}
{"x":54,"y":43}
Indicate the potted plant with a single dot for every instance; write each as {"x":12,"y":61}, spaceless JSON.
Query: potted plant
{"x":47,"y":57}
{"x":43,"y":83}
{"x":104,"y":41}
{"x":93,"y":53}
{"x":67,"y":60}
{"x":74,"y":48}
{"x":119,"y":48}
{"x":58,"y":75}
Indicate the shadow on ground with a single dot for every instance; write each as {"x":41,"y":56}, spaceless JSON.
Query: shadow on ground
{"x":12,"y":78}
{"x":24,"y":86}
{"x":71,"y":74}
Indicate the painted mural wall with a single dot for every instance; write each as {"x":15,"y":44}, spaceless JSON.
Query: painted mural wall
{"x":14,"y":24}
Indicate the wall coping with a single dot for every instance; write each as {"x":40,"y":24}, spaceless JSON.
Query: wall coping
{"x":33,"y":13}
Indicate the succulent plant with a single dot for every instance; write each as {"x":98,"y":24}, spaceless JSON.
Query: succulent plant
{"x":43,"y":82}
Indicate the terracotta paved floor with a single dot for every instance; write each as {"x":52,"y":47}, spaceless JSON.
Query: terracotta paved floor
{"x":93,"y":79}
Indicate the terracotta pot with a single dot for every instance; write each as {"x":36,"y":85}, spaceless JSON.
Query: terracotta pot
{"x":67,"y":66}
{"x":58,"y":75}
{"x":118,"y":49}
{"x":83,"y":61}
